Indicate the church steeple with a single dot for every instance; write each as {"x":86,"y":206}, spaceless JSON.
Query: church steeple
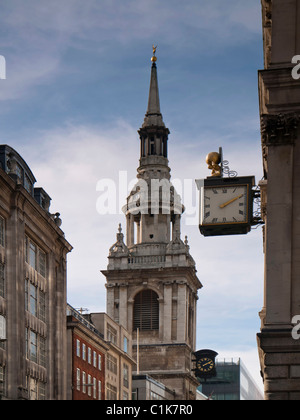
{"x":151,"y":280}
{"x":153,"y":115}
{"x":153,"y":134}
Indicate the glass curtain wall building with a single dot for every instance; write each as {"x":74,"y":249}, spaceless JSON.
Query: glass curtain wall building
{"x":233,"y":382}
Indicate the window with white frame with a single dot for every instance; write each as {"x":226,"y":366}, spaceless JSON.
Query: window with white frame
{"x":89,"y":385}
{"x":78,"y":377}
{"x":78,"y":348}
{"x":94,"y":388}
{"x":99,"y":390}
{"x":125,"y":344}
{"x":2,"y":331}
{"x":83,"y":382}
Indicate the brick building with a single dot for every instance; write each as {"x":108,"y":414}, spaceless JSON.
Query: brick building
{"x":87,"y":351}
{"x":99,"y":363}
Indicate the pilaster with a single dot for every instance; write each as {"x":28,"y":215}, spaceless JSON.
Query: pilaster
{"x":167,"y":324}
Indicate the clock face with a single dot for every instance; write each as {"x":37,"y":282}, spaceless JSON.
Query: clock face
{"x":205,"y":365}
{"x":225,"y":205}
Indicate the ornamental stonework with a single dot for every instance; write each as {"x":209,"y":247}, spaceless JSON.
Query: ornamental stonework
{"x":279,"y":129}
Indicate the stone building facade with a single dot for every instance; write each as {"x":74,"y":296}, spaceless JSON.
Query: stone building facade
{"x":33,"y":252}
{"x":152,"y":284}
{"x":279,"y":94}
{"x":119,"y":361}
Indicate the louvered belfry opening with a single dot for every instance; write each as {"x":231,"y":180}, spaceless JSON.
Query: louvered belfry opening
{"x":146,"y":311}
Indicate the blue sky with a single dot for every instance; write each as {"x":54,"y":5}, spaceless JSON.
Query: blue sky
{"x":75,"y":95}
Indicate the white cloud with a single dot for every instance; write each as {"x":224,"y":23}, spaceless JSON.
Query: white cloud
{"x":39,"y":33}
{"x":68,"y":163}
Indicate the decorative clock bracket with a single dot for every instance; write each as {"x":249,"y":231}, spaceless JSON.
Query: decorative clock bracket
{"x":257,"y":208}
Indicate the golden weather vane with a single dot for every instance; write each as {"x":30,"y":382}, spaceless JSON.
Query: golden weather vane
{"x":154,"y":58}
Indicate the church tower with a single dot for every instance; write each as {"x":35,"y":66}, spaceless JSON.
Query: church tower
{"x":151,"y":279}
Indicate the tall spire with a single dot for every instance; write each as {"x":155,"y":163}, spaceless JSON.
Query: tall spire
{"x":153,"y":115}
{"x":153,"y":133}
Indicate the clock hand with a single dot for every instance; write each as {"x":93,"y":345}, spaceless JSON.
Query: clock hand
{"x":230,"y":201}
{"x":208,"y":363}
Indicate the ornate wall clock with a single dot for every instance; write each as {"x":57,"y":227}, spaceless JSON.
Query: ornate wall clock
{"x":226,"y":204}
{"x":205,"y":363}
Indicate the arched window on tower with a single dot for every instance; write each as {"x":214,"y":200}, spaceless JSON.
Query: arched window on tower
{"x":143,"y":147}
{"x":146,"y":311}
{"x":152,"y":146}
{"x":165,"y":147}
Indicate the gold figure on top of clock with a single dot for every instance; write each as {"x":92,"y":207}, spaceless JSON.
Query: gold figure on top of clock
{"x":213,"y":160}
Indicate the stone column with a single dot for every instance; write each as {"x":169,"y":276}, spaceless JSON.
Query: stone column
{"x":110,"y":300}
{"x":167,"y":312}
{"x":182,"y":312}
{"x":123,"y":305}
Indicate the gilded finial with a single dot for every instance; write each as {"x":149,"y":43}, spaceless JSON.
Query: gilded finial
{"x":154,"y":58}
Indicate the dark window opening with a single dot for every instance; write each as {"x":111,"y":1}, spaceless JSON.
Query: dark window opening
{"x":146,"y":311}
{"x":152,"y":146}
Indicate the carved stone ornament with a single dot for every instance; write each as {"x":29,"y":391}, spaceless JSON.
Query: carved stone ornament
{"x":119,"y":247}
{"x":279,"y":129}
{"x":267,"y":30}
{"x":267,"y":13}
